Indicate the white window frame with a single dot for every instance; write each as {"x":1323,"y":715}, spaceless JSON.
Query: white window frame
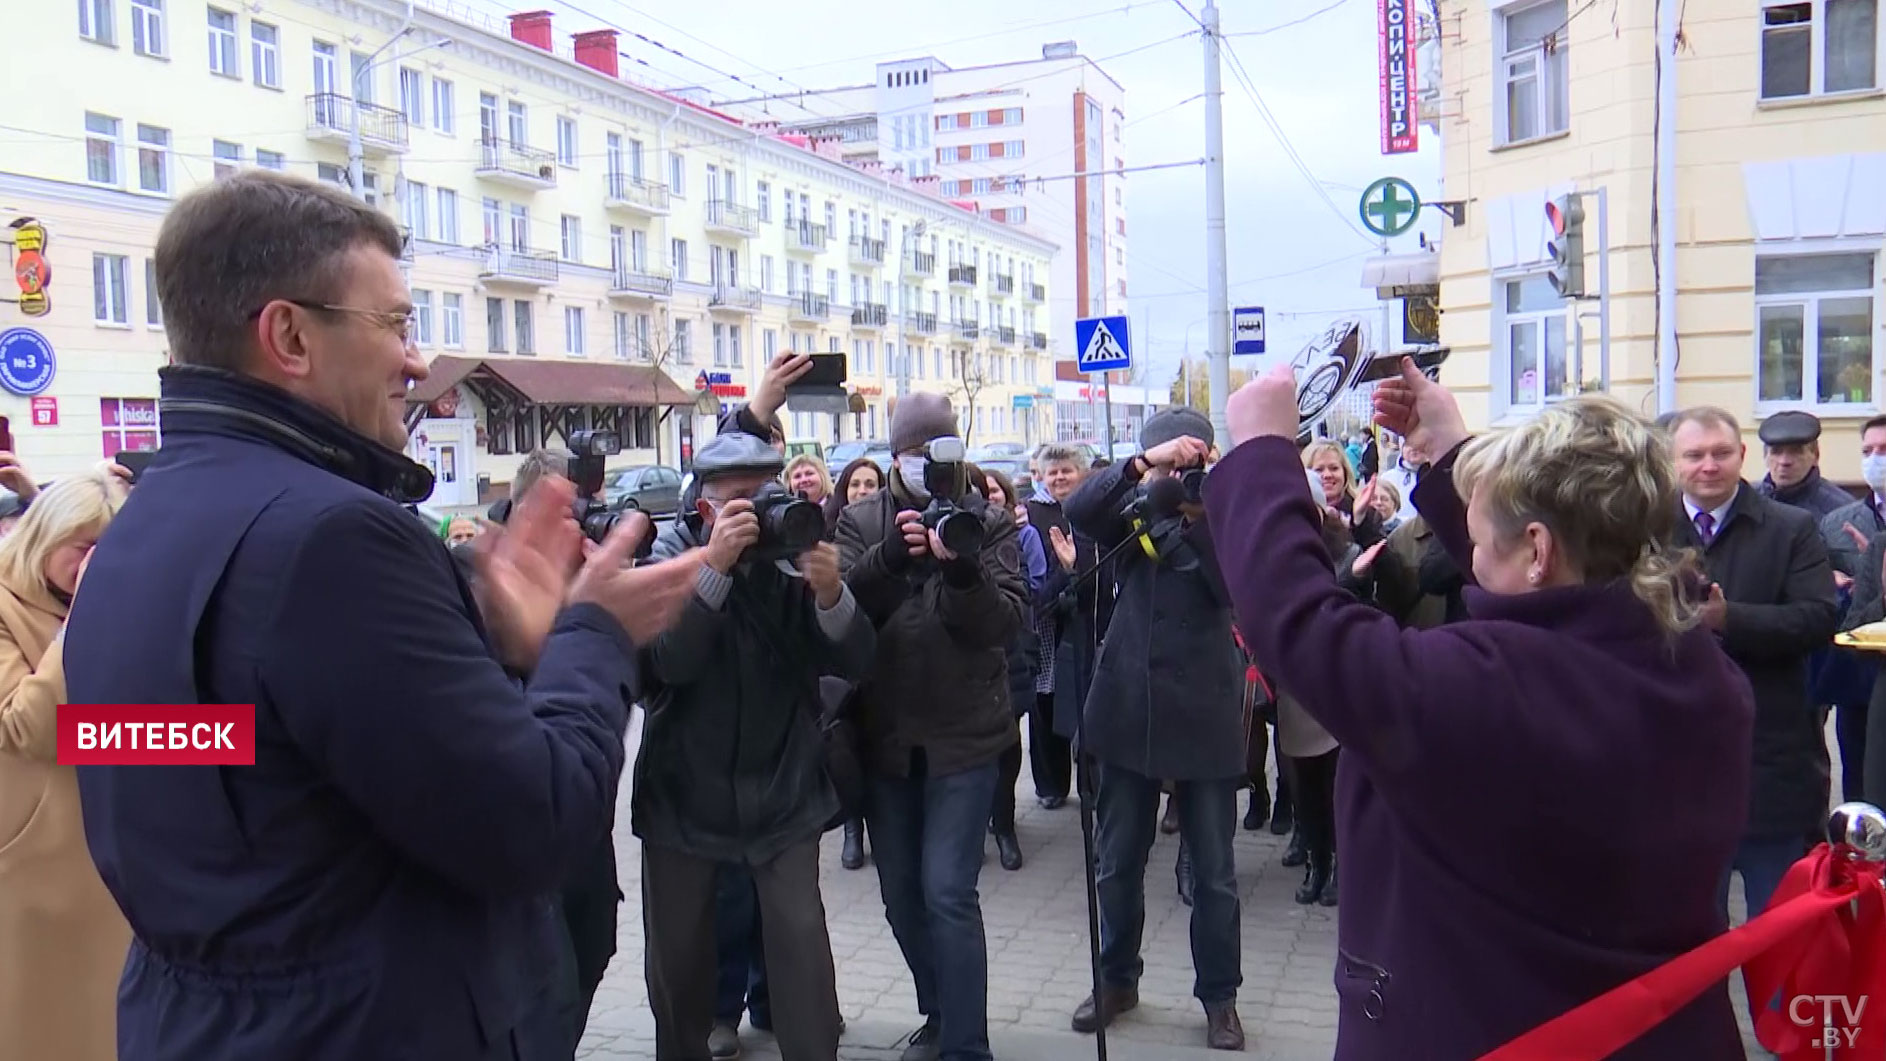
{"x":623,"y":335}
{"x":225,"y":44}
{"x":677,"y":175}
{"x":683,"y":341}
{"x":265,"y":54}
{"x":448,"y":216}
{"x":1551,"y":69}
{"x":570,"y":238}
{"x":443,"y":121}
{"x":1817,"y":30}
{"x":452,"y":320}
{"x":567,"y":154}
{"x":644,"y":337}
{"x":1502,"y":346}
{"x":574,"y":327}
{"x":98,"y":22}
{"x":274,"y":160}
{"x":422,"y":317}
{"x":226,"y":159}
{"x":1810,"y":339}
{"x":111,"y":290}
{"x":417,"y":209}
{"x":153,"y":308}
{"x":160,"y":144}
{"x":147,"y":28}
{"x":114,"y":148}
{"x":412,"y":96}
{"x":720,"y":344}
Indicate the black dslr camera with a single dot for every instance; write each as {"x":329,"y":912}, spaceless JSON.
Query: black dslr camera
{"x":1193,"y":479}
{"x":789,"y":524}
{"x":960,"y":532}
{"x":588,"y":449}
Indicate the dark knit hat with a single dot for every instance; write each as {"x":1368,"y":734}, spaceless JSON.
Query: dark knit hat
{"x":1177,"y":422}
{"x":919,"y":418}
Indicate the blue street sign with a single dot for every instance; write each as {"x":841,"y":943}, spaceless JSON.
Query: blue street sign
{"x":1102,"y":343}
{"x":26,"y":362}
{"x":1247,"y":330}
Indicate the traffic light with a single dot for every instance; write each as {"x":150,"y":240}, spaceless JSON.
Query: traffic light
{"x":1566,"y":247}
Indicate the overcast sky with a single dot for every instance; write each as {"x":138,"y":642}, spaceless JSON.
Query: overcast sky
{"x":1312,"y":61}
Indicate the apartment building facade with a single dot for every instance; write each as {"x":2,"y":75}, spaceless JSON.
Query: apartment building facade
{"x":584,"y":251}
{"x":1780,"y":152}
{"x":986,"y":133}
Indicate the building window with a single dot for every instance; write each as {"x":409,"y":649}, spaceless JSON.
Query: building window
{"x":766,"y":273}
{"x":442,"y":106}
{"x":572,"y":238}
{"x":270,"y":159}
{"x":452,"y":320}
{"x":566,"y":141}
{"x":412,"y":96}
{"x":111,"y":282}
{"x":101,"y":149}
{"x":227,"y":158}
{"x":684,"y":342}
{"x":765,"y":193}
{"x":644,"y":337}
{"x":1533,"y":320}
{"x":153,"y":309}
{"x":517,"y":123}
{"x":265,"y":60}
{"x":130,"y":424}
{"x":153,"y":159}
{"x":147,"y":27}
{"x":573,"y":331}
{"x":448,"y":216}
{"x":733,"y":346}
{"x":422,"y":317}
{"x":1532,"y":71}
{"x":418,"y":198}
{"x":526,"y":334}
{"x":98,"y":22}
{"x":720,"y":344}
{"x":677,"y":175}
{"x":622,"y":336}
{"x":678,"y":257}
{"x":1816,"y":47}
{"x":1814,"y":329}
{"x":223,"y":44}
{"x":494,"y":325}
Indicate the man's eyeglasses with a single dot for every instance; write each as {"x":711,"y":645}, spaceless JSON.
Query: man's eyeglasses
{"x":400,"y":324}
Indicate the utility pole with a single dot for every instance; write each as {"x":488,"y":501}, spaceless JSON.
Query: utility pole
{"x":1218,"y":331}
{"x":356,"y":156}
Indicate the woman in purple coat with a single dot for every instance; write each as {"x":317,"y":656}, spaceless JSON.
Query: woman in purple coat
{"x":1534,"y":805}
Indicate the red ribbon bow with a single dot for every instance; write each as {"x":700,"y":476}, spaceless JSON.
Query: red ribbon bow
{"x":1818,"y":952}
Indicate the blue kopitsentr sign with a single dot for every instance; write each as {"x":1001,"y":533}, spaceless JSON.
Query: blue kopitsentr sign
{"x":27,"y":364}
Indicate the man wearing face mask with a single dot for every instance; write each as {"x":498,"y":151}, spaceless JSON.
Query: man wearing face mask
{"x":731,"y":768}
{"x":935,"y":714}
{"x":1166,"y":703}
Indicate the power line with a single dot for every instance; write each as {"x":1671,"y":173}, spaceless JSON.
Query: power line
{"x":1283,"y":140}
{"x":1293,"y":22}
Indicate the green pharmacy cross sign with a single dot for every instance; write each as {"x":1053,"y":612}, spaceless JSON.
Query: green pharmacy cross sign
{"x":1390,"y":206}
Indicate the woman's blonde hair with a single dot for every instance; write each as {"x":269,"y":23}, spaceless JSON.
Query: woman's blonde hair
{"x":807,"y":460}
{"x":1316,"y":449}
{"x":1602,"y":479}
{"x":72,"y":507}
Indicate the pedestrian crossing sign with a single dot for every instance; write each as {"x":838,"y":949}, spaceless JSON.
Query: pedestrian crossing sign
{"x":1102,"y":342}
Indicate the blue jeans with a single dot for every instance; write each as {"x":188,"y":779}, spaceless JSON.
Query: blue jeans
{"x":926,"y":837}
{"x":739,"y":948}
{"x":1126,"y":820}
{"x":1762,"y":861}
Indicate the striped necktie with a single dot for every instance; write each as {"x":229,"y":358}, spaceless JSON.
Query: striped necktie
{"x":1706,"y":528}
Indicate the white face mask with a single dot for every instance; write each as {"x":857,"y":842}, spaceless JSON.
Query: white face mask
{"x":1873,"y":471}
{"x":910,"y":468}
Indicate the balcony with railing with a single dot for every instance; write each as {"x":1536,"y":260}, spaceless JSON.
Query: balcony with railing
{"x":627,"y":193}
{"x":966,"y":331}
{"x":382,"y":129}
{"x":917,"y":263}
{"x":642,"y":284}
{"x":807,"y":238}
{"x":808,"y":308}
{"x":524,"y":268}
{"x":1038,"y":341}
{"x":734,"y":298}
{"x":1002,"y":335}
{"x":963,"y":275}
{"x":732,"y":219}
{"x":516,"y":165}
{"x":1035,"y":292}
{"x":1003,"y":286}
{"x":867,"y":251}
{"x":921,"y":323}
{"x":872,"y":315}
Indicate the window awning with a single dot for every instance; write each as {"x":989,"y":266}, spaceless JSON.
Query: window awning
{"x":558,"y":382}
{"x":1400,"y":275}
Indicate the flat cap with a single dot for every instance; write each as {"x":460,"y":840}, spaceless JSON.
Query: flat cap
{"x":1790,"y":428}
{"x":736,"y":453}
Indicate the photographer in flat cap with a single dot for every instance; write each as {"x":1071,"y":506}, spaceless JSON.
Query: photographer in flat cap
{"x":732,"y":763}
{"x":1791,"y":444}
{"x":1166,"y":704}
{"x":939,"y":571}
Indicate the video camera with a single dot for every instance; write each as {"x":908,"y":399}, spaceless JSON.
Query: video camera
{"x":588,"y":449}
{"x":960,"y":532}
{"x":789,"y":524}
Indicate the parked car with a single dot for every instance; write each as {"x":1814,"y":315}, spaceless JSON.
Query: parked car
{"x":650,"y":488}
{"x":796,"y":447}
{"x":1005,"y":449}
{"x":876,"y":450}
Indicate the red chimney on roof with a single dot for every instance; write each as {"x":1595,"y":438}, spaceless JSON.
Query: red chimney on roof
{"x":532,"y":28}
{"x":596,"y":49}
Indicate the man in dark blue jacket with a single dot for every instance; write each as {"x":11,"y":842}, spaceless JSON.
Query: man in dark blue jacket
{"x":376,"y":884}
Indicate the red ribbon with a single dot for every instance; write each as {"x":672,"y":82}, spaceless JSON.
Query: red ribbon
{"x":1823,"y":934}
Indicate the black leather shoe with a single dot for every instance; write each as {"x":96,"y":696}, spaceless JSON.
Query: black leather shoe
{"x":1188,"y":882}
{"x":1223,"y":1030}
{"x":853,"y":855}
{"x":1328,"y":895}
{"x":1170,"y":823}
{"x":1283,"y":816}
{"x":1053,"y":802}
{"x":1115,"y":1001}
{"x":1009,"y":849}
{"x":1315,"y":879}
{"x":924,"y":1043}
{"x":1296,"y":854}
{"x":1259,"y":811}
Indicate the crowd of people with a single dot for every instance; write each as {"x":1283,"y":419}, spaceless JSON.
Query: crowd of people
{"x":1599,"y":664}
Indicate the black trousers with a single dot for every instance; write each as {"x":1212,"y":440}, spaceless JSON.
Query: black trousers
{"x":682,"y":965}
{"x":1050,"y":755}
{"x":1009,"y":774}
{"x":1313,"y":794}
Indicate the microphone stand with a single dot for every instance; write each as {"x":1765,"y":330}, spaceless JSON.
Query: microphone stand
{"x":1084,"y":782}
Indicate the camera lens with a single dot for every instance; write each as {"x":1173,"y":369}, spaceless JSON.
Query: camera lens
{"x":962,"y":533}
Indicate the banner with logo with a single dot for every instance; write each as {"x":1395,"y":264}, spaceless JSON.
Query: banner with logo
{"x":1396,"y":70}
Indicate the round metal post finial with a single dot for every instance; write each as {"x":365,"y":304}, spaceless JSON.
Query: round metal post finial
{"x":1860,"y":828}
